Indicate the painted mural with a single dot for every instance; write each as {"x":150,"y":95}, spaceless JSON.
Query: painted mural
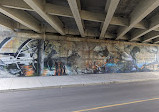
{"x":19,"y":57}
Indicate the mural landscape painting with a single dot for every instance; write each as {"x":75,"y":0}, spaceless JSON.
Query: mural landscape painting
{"x":19,"y":57}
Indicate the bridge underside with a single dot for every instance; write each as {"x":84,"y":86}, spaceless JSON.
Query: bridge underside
{"x":122,"y":20}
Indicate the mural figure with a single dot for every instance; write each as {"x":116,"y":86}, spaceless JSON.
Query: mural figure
{"x":59,"y":69}
{"x":102,"y":51}
{"x":127,"y":61}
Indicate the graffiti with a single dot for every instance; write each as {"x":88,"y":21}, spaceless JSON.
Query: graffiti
{"x":16,"y":63}
{"x":28,"y":70}
{"x":20,"y":58}
{"x":102,"y":51}
{"x":59,"y":69}
{"x":61,"y":65}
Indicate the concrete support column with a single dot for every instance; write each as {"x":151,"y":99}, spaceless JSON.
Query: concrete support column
{"x":40,"y":57}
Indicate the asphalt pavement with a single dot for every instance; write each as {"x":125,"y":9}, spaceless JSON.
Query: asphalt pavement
{"x":124,"y":97}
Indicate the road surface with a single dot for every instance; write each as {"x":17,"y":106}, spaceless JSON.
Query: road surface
{"x":128,"y":97}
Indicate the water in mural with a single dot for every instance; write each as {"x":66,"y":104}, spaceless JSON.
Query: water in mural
{"x":18,"y":57}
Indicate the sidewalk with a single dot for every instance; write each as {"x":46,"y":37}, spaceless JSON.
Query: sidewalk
{"x":36,"y":82}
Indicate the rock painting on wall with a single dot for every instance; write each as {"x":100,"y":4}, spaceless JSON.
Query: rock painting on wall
{"x":19,"y":57}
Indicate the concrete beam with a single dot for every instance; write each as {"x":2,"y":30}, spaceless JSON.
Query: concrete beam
{"x":149,"y":36}
{"x":119,"y":21}
{"x":111,"y":6}
{"x":38,"y":7}
{"x":155,"y":41}
{"x":22,"y":27}
{"x":89,"y":33}
{"x":142,"y":25}
{"x":6,"y":22}
{"x":22,"y":17}
{"x":56,"y":37}
{"x":157,"y":29}
{"x":74,"y":38}
{"x":66,"y":12}
{"x":141,"y":11}
{"x":16,"y":4}
{"x":58,"y":10}
{"x":154,"y":23}
{"x":76,"y":14}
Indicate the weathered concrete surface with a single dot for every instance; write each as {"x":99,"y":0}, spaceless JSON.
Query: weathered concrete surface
{"x":89,"y":79}
{"x":40,"y":57}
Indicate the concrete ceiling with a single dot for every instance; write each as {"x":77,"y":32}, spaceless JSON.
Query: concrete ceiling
{"x":123,"y":20}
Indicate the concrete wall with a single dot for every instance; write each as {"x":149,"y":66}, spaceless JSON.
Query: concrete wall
{"x":33,"y":57}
